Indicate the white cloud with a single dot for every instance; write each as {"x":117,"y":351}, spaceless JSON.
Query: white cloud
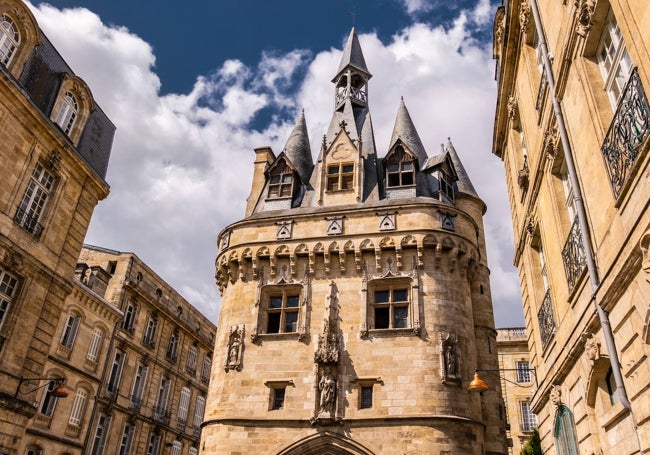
{"x":182,"y":163}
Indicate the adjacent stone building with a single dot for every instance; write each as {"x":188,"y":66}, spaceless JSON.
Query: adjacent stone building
{"x":518,"y":383}
{"x":572,"y":126}
{"x":355,"y":297}
{"x":55,"y":143}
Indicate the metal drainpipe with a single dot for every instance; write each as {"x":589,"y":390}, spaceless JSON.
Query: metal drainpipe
{"x":582,"y":220}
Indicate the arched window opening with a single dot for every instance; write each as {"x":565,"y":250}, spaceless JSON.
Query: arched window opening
{"x":67,"y":113}
{"x":9,"y":39}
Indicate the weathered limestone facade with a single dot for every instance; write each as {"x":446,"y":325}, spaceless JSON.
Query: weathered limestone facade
{"x":54,"y":148}
{"x":572,"y":127}
{"x":518,"y":383}
{"x":356,"y":298}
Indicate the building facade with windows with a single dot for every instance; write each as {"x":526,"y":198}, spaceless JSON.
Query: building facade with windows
{"x":571,"y":127}
{"x":355,"y":297}
{"x":55,"y":143}
{"x":518,"y":382}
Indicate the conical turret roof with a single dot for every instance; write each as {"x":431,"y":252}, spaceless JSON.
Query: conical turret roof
{"x":464,"y":183}
{"x":404,"y":129}
{"x":353,"y":56}
{"x":298,"y":150}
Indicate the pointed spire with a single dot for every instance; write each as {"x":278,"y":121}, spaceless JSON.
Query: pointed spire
{"x":464,"y":183}
{"x":404,"y":129}
{"x":353,"y":56}
{"x":298,"y":150}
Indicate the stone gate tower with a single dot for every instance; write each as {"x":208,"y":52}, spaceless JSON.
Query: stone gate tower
{"x":356,"y":298}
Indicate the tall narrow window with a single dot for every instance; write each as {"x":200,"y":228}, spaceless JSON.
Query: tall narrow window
{"x":9,"y":39}
{"x":128,"y":321}
{"x":78,"y":408}
{"x":49,"y":401}
{"x":340,"y":176}
{"x":528,"y":419}
{"x":115,"y":374}
{"x":67,"y":112}
{"x":191,"y":360}
{"x":139,"y":380}
{"x":282,"y":311}
{"x":177,"y":447}
{"x":183,"y":407}
{"x":566,"y":441}
{"x":160,"y":410}
{"x":614,"y":61}
{"x":101,"y":432}
{"x":199,"y":408}
{"x":205,"y":370}
{"x":523,"y":371}
{"x":8,"y":284}
{"x":70,"y":331}
{"x":172,"y":347}
{"x":33,"y":202}
{"x":150,"y":333}
{"x":277,"y":398}
{"x":153,"y":447}
{"x":95,"y":345}
{"x":390,"y":308}
{"x":365,"y":397}
{"x":126,"y":441}
{"x":446,"y":185}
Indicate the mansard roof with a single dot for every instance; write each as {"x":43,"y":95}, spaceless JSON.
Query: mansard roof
{"x":352,"y":56}
{"x":404,"y":129}
{"x":298,"y":151}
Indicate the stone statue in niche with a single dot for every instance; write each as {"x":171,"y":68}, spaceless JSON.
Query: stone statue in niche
{"x":327,"y":387}
{"x":235,"y":348}
{"x":592,"y":348}
{"x":449,"y":358}
{"x":556,"y":395}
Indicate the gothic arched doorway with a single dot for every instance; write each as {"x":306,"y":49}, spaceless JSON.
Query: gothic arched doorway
{"x":326,"y":443}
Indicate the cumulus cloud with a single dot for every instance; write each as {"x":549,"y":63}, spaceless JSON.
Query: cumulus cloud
{"x":181,"y":165}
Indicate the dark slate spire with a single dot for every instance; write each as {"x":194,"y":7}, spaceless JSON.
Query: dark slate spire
{"x":352,"y":57}
{"x":404,"y":129}
{"x":464,"y":183}
{"x":298,"y":151}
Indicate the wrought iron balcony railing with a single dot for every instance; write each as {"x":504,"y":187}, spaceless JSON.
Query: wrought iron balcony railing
{"x":28,"y":223}
{"x":160,"y":415}
{"x":627,"y":133}
{"x":546,"y":319}
{"x":573,"y":255}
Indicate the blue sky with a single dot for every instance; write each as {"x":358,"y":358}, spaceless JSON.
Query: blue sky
{"x":193,"y":89}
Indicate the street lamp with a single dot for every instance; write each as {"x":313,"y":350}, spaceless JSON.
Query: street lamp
{"x":59,"y":391}
{"x":479,"y":385}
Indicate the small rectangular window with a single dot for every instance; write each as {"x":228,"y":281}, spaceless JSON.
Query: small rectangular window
{"x":278,"y":397}
{"x":365,"y":401}
{"x":340,"y":177}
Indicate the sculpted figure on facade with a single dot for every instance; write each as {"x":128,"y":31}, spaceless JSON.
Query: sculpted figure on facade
{"x":327,"y":387}
{"x":556,"y":395}
{"x":592,"y":348}
{"x":584,"y":13}
{"x":235,"y":348}
{"x":449,"y":357}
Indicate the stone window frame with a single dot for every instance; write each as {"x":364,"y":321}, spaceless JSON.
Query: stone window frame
{"x":527,"y":418}
{"x":338,"y":178}
{"x":9,"y":39}
{"x":9,"y":289}
{"x":70,"y":329}
{"x":38,"y":198}
{"x":614,"y":61}
{"x":281,"y":170}
{"x":366,"y":383}
{"x":29,"y":35}
{"x":399,"y":157}
{"x":284,"y":292}
{"x":391,"y":281}
{"x":72,"y":88}
{"x":278,"y":391}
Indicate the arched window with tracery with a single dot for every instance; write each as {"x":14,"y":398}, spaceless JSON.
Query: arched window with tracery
{"x":9,"y":39}
{"x":67,"y":113}
{"x":566,"y":440}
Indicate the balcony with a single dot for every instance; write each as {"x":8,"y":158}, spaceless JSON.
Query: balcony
{"x":573,"y":255}
{"x":28,"y":223}
{"x":160,"y":415}
{"x":546,"y":319}
{"x":627,"y":133}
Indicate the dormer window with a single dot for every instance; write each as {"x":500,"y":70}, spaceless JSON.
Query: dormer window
{"x":67,"y":113}
{"x":340,"y":177}
{"x":9,"y":39}
{"x":446,"y":185}
{"x":400,"y":170}
{"x":281,"y":181}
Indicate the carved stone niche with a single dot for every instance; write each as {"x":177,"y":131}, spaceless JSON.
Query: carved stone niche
{"x":449,"y":358}
{"x":235,"y":348}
